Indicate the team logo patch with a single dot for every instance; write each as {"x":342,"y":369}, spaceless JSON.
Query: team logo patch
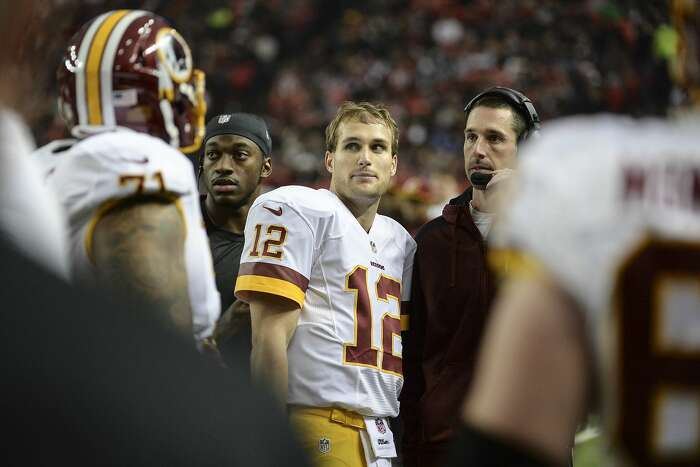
{"x":224,"y":118}
{"x":324,"y":445}
{"x":380,"y":426}
{"x":373,"y":245}
{"x":174,"y":54}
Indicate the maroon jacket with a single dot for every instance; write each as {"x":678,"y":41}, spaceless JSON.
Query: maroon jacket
{"x":450,"y":297}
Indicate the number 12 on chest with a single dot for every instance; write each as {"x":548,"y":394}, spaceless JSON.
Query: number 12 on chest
{"x":361,"y":352}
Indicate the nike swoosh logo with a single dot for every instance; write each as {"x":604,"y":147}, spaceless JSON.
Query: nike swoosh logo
{"x":276,"y":212}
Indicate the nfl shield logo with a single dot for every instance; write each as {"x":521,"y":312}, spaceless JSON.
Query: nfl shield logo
{"x":380,"y":426}
{"x":224,"y":118}
{"x":324,"y":445}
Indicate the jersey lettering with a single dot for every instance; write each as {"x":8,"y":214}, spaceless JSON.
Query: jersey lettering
{"x":360,"y":351}
{"x":272,"y":247}
{"x":139,"y":180}
{"x":658,"y":305}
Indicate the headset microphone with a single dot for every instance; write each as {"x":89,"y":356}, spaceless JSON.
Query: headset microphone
{"x":479,"y":180}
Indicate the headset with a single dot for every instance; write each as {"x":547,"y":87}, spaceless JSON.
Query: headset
{"x":520,"y":103}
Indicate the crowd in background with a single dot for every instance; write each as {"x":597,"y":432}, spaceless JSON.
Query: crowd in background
{"x":294,"y":61}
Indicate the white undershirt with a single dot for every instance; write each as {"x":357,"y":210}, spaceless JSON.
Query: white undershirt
{"x":483,"y":220}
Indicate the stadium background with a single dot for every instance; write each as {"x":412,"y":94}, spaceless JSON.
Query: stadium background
{"x":295,"y":61}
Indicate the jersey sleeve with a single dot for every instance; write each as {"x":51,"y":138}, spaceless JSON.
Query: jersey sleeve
{"x":278,"y":253}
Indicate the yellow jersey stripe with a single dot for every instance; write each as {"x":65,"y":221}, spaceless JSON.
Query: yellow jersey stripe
{"x":92,"y":68}
{"x":100,"y":212}
{"x":270,"y":285}
{"x":515,"y":263}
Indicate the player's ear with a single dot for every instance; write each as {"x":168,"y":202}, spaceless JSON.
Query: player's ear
{"x":394,"y":164}
{"x":266,"y":169}
{"x":329,"y":160}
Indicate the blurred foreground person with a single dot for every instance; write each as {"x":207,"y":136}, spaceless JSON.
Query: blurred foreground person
{"x":130,"y":95}
{"x":91,"y":380}
{"x":604,"y":290}
{"x":30,"y":217}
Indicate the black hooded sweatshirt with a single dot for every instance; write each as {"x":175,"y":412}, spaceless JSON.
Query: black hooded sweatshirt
{"x":452,"y":290}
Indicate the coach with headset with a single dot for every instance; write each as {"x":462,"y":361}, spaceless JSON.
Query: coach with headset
{"x":452,"y":288}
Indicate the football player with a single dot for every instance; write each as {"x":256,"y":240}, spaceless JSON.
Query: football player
{"x":235,"y":160}
{"x":324,"y":275}
{"x":131,"y":97}
{"x":602,"y":247}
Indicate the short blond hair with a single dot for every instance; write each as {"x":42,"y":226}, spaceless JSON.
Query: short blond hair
{"x":364,"y":112}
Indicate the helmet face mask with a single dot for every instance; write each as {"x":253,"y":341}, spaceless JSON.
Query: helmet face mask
{"x":130,"y":68}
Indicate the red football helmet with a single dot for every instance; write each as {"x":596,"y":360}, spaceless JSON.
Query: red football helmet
{"x":130,"y":68}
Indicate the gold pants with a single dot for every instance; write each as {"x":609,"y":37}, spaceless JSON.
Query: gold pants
{"x":330,"y":436}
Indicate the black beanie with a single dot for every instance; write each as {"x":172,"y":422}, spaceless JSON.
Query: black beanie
{"x":242,"y":124}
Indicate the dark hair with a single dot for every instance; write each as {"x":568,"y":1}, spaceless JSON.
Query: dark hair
{"x":526,"y":121}
{"x":518,"y":122}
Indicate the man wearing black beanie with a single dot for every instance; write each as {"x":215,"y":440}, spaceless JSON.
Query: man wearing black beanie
{"x":235,"y":160}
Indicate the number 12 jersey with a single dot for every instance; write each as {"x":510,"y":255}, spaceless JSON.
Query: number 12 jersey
{"x":306,"y":246}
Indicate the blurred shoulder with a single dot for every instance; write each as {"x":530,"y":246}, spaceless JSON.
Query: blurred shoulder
{"x":594,"y":137}
{"x":120,"y":141}
{"x":121,"y":151}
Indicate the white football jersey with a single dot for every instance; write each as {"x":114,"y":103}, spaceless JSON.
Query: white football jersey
{"x":30,"y":217}
{"x":610,"y":208}
{"x":95,"y":172}
{"x":305,"y":245}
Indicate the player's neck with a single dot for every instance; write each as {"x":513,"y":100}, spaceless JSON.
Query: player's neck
{"x":364,"y":212}
{"x":366,"y":219}
{"x":226,"y":217}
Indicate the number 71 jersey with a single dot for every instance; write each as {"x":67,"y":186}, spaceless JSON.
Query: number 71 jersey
{"x":306,"y":246}
{"x":96,"y":173}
